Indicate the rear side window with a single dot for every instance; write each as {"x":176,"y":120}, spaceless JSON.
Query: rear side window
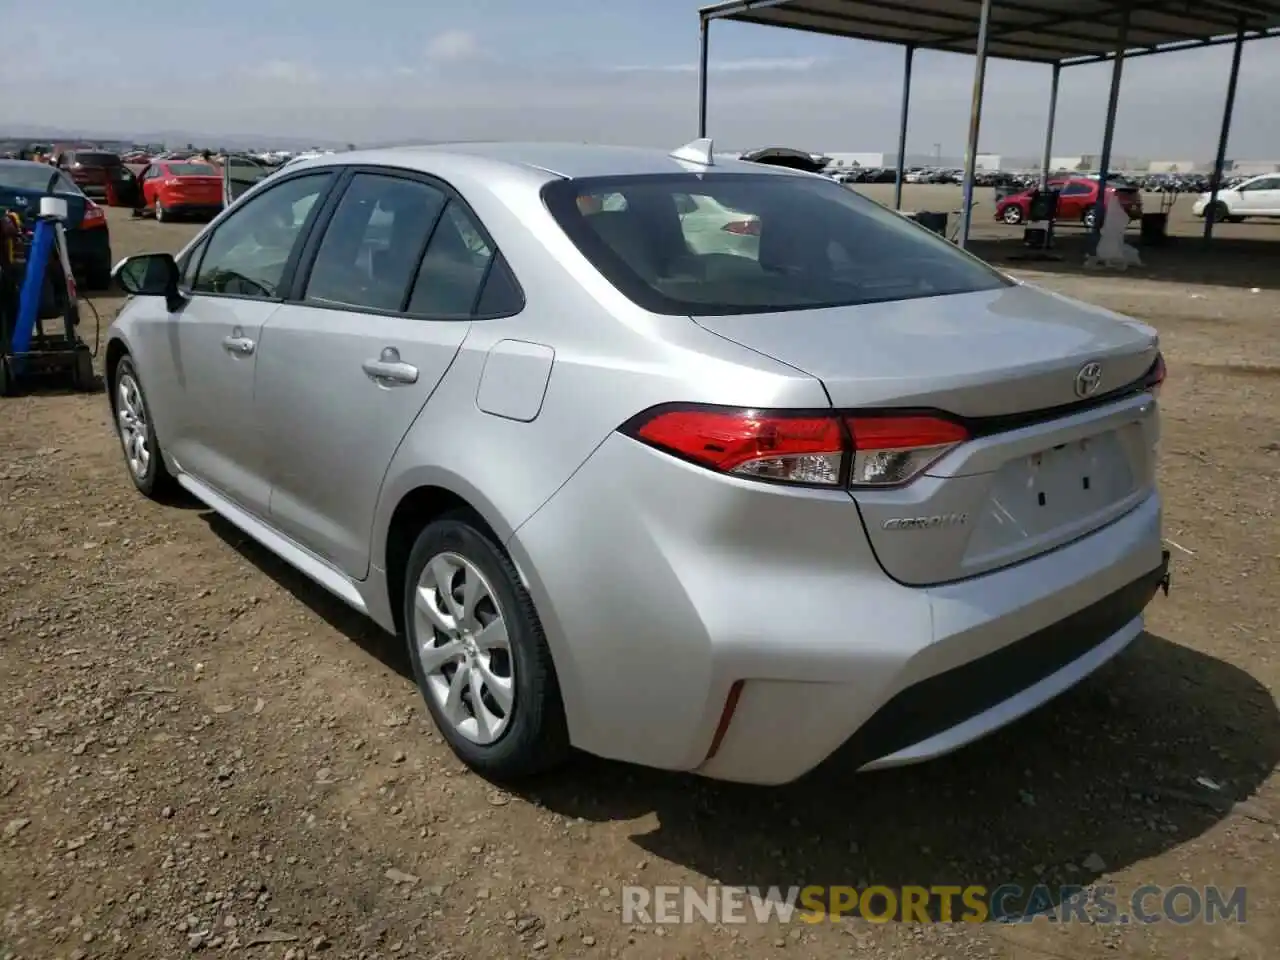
{"x":371,"y":246}
{"x":754,"y":243}
{"x":453,"y":268}
{"x":501,"y":296}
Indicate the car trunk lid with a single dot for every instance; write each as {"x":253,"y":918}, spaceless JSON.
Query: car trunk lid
{"x":202,"y":189}
{"x":1055,"y":451}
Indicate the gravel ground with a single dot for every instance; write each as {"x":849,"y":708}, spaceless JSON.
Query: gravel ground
{"x":200,"y":752}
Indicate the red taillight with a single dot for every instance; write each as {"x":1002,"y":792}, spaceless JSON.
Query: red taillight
{"x":93,"y":217}
{"x":743,"y":228}
{"x":1156,"y":375}
{"x":827,"y":449}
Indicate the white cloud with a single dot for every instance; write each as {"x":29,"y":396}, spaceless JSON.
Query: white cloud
{"x":452,"y":46}
{"x":829,"y":101}
{"x":283,"y":71}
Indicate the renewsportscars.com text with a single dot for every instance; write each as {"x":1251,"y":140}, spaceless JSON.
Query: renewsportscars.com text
{"x":1006,"y":903}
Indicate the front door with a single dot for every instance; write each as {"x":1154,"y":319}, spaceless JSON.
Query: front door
{"x":240,"y":175}
{"x":346,"y":371}
{"x":1262,"y":197}
{"x":215,"y":339}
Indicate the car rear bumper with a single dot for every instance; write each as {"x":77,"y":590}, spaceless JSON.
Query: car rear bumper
{"x":191,"y":208}
{"x":663,"y":588}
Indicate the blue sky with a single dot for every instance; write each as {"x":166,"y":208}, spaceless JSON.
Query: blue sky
{"x":610,"y":71}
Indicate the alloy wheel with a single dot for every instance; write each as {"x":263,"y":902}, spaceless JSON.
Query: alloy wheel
{"x":131,"y":420}
{"x":464,"y":648}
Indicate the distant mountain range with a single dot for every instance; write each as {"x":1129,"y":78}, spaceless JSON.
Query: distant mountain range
{"x":170,"y":138}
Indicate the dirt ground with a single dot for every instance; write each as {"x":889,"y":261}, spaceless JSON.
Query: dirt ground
{"x":202,"y":752}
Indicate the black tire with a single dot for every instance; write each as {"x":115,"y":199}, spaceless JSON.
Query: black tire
{"x":97,"y":277}
{"x":83,"y":376}
{"x":161,"y":215}
{"x":1012,"y":215}
{"x":536,"y":737}
{"x":1235,"y":219}
{"x":1089,"y":218}
{"x":155,"y":481}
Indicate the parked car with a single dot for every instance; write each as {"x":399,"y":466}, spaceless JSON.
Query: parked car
{"x":101,"y":175}
{"x":24,"y":182}
{"x":1077,"y":200}
{"x":711,"y":227}
{"x":696,"y":511}
{"x":1256,"y":197}
{"x":181,"y":188}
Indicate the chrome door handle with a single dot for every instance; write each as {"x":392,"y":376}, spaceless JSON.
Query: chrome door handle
{"x":238,"y":345}
{"x":390,"y":371}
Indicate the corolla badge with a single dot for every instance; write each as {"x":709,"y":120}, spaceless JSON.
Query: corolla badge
{"x":1088,"y":379}
{"x":927,"y":523}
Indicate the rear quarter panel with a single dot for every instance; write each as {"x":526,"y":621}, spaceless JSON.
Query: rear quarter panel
{"x":612,"y":360}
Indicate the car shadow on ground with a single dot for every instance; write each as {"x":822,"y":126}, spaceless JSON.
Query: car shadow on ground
{"x":1109,"y":771}
{"x":1150,"y":752}
{"x":1227,"y":261}
{"x":366,"y":634}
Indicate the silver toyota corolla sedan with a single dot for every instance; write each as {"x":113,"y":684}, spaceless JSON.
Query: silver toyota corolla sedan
{"x":717,"y":506}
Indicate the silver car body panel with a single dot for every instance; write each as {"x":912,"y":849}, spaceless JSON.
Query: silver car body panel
{"x":661,"y":584}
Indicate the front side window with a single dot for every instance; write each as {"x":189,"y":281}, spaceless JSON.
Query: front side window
{"x":758,"y":243}
{"x":371,"y":246}
{"x":191,"y":263}
{"x":248,"y":253}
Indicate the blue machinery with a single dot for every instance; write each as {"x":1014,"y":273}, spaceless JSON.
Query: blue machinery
{"x":27,"y":349}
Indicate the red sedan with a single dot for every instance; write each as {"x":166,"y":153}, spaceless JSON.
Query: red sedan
{"x":175,"y":188}
{"x":1077,"y":200}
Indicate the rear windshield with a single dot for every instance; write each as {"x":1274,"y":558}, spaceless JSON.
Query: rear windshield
{"x":755,"y":243}
{"x":192,"y":170}
{"x":98,"y":159}
{"x":35,"y":176}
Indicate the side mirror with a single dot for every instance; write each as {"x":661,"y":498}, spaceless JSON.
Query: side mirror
{"x":151,"y":275}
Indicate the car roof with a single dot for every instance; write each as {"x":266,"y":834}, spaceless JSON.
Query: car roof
{"x":563,"y":160}
{"x":12,"y":164}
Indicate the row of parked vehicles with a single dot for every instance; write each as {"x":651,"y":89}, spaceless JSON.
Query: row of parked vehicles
{"x":167,"y":186}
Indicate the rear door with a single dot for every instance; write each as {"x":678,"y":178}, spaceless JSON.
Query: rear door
{"x":240,"y":175}
{"x":1076,"y":198}
{"x":350,"y":362}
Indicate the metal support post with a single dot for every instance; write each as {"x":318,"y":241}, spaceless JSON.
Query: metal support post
{"x":975,"y":122}
{"x":704,"y":32}
{"x":1220,"y":158}
{"x":1108,"y":132}
{"x":902,"y":125}
{"x":1048,"y":135}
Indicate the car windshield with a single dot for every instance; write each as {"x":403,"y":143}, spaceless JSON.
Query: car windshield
{"x":192,"y":170}
{"x":755,"y":243}
{"x":35,"y":176}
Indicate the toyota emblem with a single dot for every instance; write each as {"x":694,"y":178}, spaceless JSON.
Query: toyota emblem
{"x":1088,"y":379}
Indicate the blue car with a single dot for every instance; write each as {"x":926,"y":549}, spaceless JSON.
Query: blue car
{"x":24,"y":182}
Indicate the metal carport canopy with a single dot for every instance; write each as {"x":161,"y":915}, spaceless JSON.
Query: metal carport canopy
{"x":1068,"y":32}
{"x":1060,"y":33}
